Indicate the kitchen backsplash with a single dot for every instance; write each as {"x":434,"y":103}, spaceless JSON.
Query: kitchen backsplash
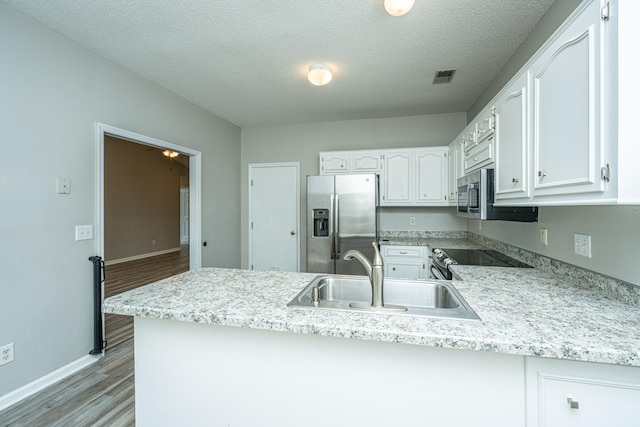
{"x":401,"y":234}
{"x":608,"y":286}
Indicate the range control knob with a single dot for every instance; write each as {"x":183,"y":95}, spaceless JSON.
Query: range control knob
{"x":449,"y":261}
{"x":437,"y":252}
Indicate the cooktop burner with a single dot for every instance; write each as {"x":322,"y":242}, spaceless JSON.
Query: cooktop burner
{"x":482,"y":257}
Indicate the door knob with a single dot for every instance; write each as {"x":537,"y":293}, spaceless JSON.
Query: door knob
{"x":293,"y":233}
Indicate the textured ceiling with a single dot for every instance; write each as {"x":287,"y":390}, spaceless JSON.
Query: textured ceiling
{"x":246,"y":61}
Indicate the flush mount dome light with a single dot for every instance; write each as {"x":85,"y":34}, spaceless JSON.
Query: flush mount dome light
{"x":319,"y":74}
{"x":398,"y":7}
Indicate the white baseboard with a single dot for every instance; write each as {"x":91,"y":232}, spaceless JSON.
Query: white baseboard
{"x":135,"y":257}
{"x":44,"y":382}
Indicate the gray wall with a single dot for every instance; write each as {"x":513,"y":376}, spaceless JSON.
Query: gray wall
{"x":53,"y":93}
{"x":614,"y":231}
{"x":141,"y":200}
{"x":301,"y":143}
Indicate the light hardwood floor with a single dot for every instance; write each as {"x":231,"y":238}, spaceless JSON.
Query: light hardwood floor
{"x":101,"y":394}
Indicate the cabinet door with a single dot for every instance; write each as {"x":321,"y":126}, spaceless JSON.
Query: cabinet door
{"x":567,"y":109}
{"x":365,"y":162}
{"x":512,"y":140}
{"x":404,"y":269}
{"x":332,"y":163}
{"x":404,"y":262}
{"x":397,"y":178}
{"x":481,"y":155}
{"x":431,"y":177}
{"x":565,"y":394}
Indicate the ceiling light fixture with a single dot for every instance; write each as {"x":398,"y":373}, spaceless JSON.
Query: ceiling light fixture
{"x":398,"y":7}
{"x":319,"y":74}
{"x":170,"y":154}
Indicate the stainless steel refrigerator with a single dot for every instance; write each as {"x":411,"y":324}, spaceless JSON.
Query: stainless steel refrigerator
{"x":342,"y":214}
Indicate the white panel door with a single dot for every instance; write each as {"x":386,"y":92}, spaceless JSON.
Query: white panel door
{"x":274,"y":216}
{"x":184,"y":215}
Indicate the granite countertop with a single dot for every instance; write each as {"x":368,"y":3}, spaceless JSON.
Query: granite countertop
{"x":524,"y":311}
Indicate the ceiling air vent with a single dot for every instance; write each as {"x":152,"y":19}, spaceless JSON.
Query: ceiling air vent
{"x":444,"y":76}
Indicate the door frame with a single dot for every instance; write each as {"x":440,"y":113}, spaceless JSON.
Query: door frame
{"x":195,"y":186}
{"x":253,"y":166}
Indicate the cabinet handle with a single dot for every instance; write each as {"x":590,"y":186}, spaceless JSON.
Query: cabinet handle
{"x":573,"y":404}
{"x":515,"y":180}
{"x":403,"y":252}
{"x":542,"y":174}
{"x":393,"y":268}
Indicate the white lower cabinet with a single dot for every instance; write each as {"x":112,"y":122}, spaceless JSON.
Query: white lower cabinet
{"x":405,"y":262}
{"x":561,"y":393}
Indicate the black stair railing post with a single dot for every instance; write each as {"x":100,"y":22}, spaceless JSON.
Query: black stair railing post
{"x":98,"y":278}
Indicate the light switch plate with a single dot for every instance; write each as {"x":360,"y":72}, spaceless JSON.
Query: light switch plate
{"x":84,"y":232}
{"x":63,"y":185}
{"x":543,"y":236}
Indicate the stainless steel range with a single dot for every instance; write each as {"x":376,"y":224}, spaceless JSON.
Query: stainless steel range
{"x":443,"y":258}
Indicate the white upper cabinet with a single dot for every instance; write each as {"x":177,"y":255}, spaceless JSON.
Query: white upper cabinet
{"x":479,"y":145}
{"x":568,"y":108}
{"x":334,"y":162}
{"x":415,"y":177}
{"x":343,"y":162}
{"x":396,"y":179}
{"x":511,"y":113}
{"x":565,"y":124}
{"x":431,"y":176}
{"x":366,"y":162}
{"x":408,"y":176}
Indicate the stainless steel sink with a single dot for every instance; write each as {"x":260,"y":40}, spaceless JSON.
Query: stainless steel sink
{"x":401,"y":297}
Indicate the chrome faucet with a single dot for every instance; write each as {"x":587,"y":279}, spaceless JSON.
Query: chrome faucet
{"x":374,"y":270}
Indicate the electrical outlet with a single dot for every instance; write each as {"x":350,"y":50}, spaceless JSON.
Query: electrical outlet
{"x":412,"y":220}
{"x":84,"y":232}
{"x":543,"y":236}
{"x":6,"y":354}
{"x":582,"y":244}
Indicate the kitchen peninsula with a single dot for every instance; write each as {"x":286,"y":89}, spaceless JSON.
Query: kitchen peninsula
{"x":221,"y":347}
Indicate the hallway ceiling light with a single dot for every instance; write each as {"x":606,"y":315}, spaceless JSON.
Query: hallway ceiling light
{"x":398,"y":7}
{"x":170,"y":154}
{"x":319,"y":74}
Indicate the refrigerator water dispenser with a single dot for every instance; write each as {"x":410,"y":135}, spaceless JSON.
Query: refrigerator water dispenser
{"x":320,"y":223}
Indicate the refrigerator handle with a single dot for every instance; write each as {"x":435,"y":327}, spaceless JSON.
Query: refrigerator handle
{"x":336,"y":225}
{"x":332,"y":237}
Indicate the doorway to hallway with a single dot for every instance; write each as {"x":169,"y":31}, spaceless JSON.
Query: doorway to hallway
{"x":139,"y":230}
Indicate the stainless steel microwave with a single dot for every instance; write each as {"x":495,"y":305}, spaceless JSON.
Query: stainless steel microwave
{"x":476,"y":195}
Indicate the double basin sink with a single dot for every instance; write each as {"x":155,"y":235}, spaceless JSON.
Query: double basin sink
{"x":401,"y":297}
